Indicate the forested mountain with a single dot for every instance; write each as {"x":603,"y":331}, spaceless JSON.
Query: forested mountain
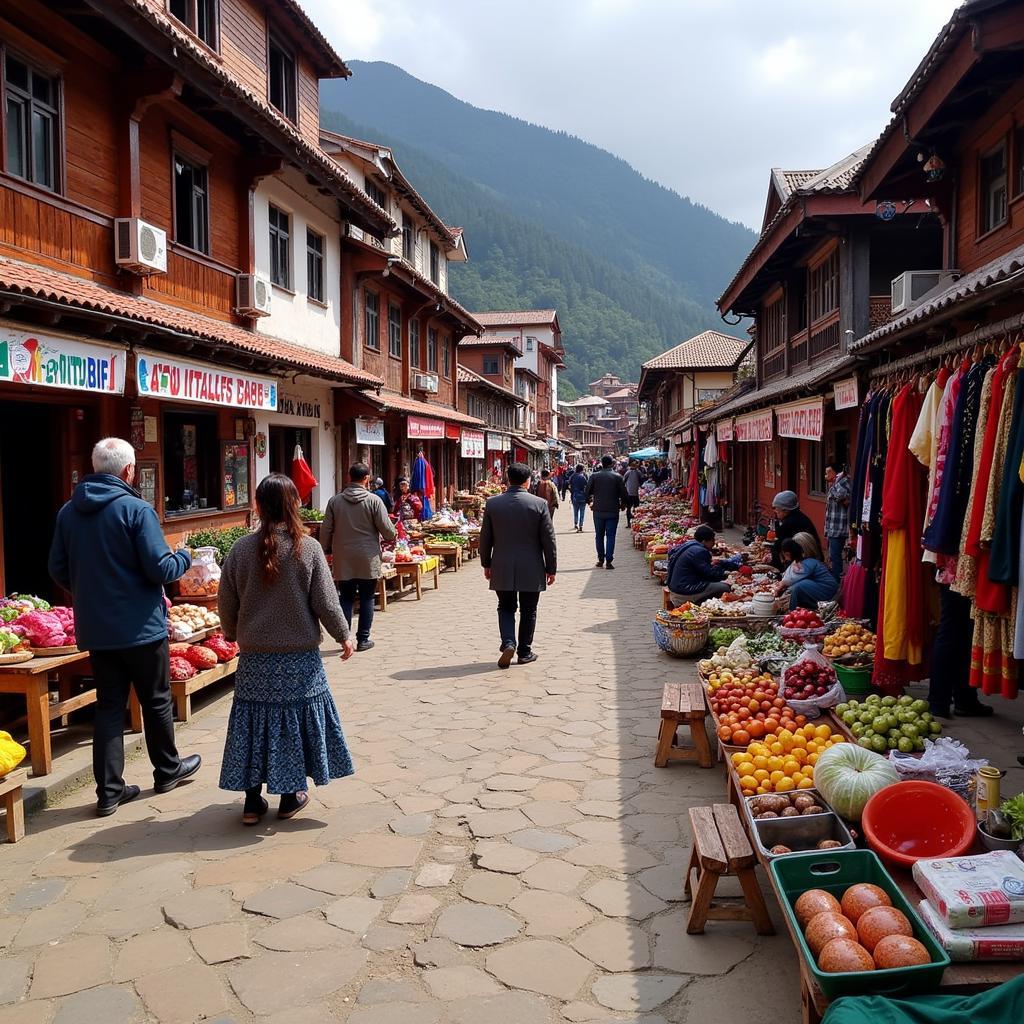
{"x":550,"y":221}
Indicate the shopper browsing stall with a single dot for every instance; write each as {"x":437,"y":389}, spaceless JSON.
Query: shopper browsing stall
{"x":408,"y":504}
{"x":692,"y":575}
{"x":808,"y":580}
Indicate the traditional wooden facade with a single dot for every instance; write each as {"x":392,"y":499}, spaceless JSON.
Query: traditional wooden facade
{"x":483,"y":398}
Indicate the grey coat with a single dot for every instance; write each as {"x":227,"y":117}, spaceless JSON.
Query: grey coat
{"x":353,"y":525}
{"x":517,"y":541}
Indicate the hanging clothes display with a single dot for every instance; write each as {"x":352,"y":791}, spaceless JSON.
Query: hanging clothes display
{"x":422,"y":483}
{"x":302,"y":476}
{"x":709,"y":497}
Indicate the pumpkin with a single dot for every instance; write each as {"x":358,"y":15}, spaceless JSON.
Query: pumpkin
{"x":848,"y":775}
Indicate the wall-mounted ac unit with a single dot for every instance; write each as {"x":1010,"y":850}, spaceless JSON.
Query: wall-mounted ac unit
{"x":425,"y":382}
{"x":253,"y":294}
{"x":911,"y":287}
{"x":139,"y":247}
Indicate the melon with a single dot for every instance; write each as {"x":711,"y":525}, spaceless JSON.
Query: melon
{"x":848,"y":775}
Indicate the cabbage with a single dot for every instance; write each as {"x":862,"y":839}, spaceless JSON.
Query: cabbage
{"x":848,"y":775}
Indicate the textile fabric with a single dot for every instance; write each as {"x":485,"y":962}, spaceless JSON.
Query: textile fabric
{"x":517,"y":541}
{"x":710,"y":590}
{"x":354,"y":523}
{"x":836,"y":547}
{"x":837,"y":508}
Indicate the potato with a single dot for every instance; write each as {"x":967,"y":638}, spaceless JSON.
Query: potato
{"x":780,"y":849}
{"x":790,"y":812}
{"x":813,"y":809}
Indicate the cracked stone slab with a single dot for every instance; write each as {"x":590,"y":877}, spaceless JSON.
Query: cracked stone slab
{"x":284,"y":901}
{"x":152,"y":952}
{"x":353,"y":913}
{"x":547,"y":813}
{"x":510,"y":783}
{"x":437,"y":953}
{"x":109,"y":1003}
{"x":50,"y":924}
{"x":514,"y":1007}
{"x":538,"y":965}
{"x":504,"y":858}
{"x":198,"y":908}
{"x":665,"y":881}
{"x":554,"y":876}
{"x":301,"y":934}
{"x":270,"y":865}
{"x":379,"y":851}
{"x":391,"y":883}
{"x":36,"y":894}
{"x":490,"y":824}
{"x":383,"y":938}
{"x":279,"y":981}
{"x":474,"y":925}
{"x":617,"y":898}
{"x":435,"y":876}
{"x":335,"y":879}
{"x":615,"y":946}
{"x":182,"y":995}
{"x":389,"y":990}
{"x":623,"y":857}
{"x":71,"y":966}
{"x":636,"y":992}
{"x":416,"y":908}
{"x":674,"y":950}
{"x":550,"y":913}
{"x":396,"y":1013}
{"x":500,"y":801}
{"x":491,"y":888}
{"x":462,"y":982}
{"x":15,"y":972}
{"x":411,"y":824}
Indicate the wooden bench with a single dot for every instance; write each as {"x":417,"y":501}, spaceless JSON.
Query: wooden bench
{"x":10,"y":791}
{"x":683,"y":704}
{"x":721,"y":847}
{"x":450,"y":555}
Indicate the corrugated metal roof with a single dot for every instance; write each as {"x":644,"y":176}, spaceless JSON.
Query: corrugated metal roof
{"x":707,"y":350}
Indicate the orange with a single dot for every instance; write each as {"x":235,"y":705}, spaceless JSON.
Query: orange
{"x":748,"y":782}
{"x":805,"y":784}
{"x":774,"y":764}
{"x":760,"y":761}
{"x":776,"y":776}
{"x":748,"y":792}
{"x":784,"y":785}
{"x":761,"y":775}
{"x":812,"y":758}
{"x":777,"y":748}
{"x":745,"y":768}
{"x":822,"y":732}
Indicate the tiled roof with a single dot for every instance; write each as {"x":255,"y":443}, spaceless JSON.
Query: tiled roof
{"x":587,"y":400}
{"x":491,"y":342}
{"x":968,"y":290}
{"x":472,"y":379}
{"x":516,"y":318}
{"x":53,"y":286}
{"x":789,"y":181}
{"x":399,"y":403}
{"x":708,"y":350}
{"x":309,"y":26}
{"x":627,"y":392}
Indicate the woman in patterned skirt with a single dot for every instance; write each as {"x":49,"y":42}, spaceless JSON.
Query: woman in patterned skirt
{"x":275,"y":591}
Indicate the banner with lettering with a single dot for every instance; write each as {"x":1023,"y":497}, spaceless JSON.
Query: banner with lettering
{"x":420,"y":429}
{"x":472,"y":444}
{"x":180,"y":380}
{"x":756,"y":426}
{"x":43,"y":360}
{"x":724,"y":431}
{"x":370,"y":432}
{"x":846,"y":394}
{"x":496,"y":442}
{"x":804,"y":420}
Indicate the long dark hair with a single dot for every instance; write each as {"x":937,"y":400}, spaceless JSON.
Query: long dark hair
{"x":278,"y":502}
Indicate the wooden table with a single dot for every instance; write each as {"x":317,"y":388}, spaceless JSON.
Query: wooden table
{"x":449,"y":554}
{"x":414,"y":572}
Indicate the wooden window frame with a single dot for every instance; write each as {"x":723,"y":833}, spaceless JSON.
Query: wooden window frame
{"x":279,"y":237}
{"x":984,"y":228}
{"x":823,"y":286}
{"x":431,"y":350}
{"x":316,"y":261}
{"x":408,"y":236}
{"x":494,"y":361}
{"x":393,"y":334}
{"x":192,"y":21}
{"x":434,"y":265}
{"x":48,"y":69}
{"x":446,"y":356}
{"x":377,"y":195}
{"x":414,"y":344}
{"x":372,"y":338}
{"x":276,"y":40}
{"x":1017,"y":177}
{"x":196,"y":157}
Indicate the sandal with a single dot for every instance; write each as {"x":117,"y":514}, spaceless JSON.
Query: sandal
{"x":253,"y":817}
{"x":301,"y":799}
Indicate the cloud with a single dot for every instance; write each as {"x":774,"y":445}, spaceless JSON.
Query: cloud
{"x":702,"y":95}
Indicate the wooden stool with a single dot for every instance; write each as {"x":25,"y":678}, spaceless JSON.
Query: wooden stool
{"x":10,"y":790}
{"x":683,"y":704}
{"x":721,"y":847}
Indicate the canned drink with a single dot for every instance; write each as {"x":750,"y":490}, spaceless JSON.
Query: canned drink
{"x":986,"y":793}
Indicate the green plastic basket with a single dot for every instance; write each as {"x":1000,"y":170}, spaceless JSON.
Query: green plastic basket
{"x":855,"y":680}
{"x":835,"y":873}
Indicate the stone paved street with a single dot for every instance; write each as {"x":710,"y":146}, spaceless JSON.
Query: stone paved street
{"x":506,"y":851}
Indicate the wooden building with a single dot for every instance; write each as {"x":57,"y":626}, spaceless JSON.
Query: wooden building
{"x":497,"y":406}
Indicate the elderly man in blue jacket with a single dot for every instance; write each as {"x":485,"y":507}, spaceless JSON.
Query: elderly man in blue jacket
{"x":109,"y":552}
{"x":692,"y":576}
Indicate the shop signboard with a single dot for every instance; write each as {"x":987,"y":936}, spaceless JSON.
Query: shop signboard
{"x":686,"y":436}
{"x":846,"y":394}
{"x":495,"y":442}
{"x":420,"y":429}
{"x":298,"y":405}
{"x":369,"y":431}
{"x":180,"y":380}
{"x":472,"y":444}
{"x":757,"y":426}
{"x":453,"y":432}
{"x":724,"y":431}
{"x":804,"y":420}
{"x":46,"y":361}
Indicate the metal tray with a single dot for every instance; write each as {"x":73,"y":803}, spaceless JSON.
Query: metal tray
{"x":801,"y":833}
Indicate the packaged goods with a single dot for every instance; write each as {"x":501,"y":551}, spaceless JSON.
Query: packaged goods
{"x":1004,"y":942}
{"x":203,"y":578}
{"x":974,"y":892}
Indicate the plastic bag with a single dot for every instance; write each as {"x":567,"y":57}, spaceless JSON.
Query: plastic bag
{"x":812,"y":706}
{"x":945,"y":761}
{"x":203,"y":578}
{"x":12,"y":753}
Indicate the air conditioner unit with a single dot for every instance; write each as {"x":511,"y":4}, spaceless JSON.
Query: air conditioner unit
{"x":139,"y":247}
{"x":911,"y":287}
{"x":253,"y":293}
{"x":425,"y":382}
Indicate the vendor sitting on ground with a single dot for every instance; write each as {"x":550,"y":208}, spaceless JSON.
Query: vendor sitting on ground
{"x":692,"y":576}
{"x":808,"y":580}
{"x":789,"y":521}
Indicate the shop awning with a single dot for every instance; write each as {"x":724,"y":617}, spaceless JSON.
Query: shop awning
{"x":51,"y":288}
{"x":533,"y":446}
{"x":647,"y":453}
{"x":391,"y":401}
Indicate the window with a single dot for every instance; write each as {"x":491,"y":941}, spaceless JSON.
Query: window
{"x":33,"y":122}
{"x":191,"y":205}
{"x":281,"y":75}
{"x":1018,"y":149}
{"x":993,"y":188}
{"x":431,"y":350}
{"x":414,"y":343}
{"x":446,"y":354}
{"x":823,"y":286}
{"x":395,"y":330}
{"x":200,"y":16}
{"x":435,"y":263}
{"x":529,"y":344}
{"x":408,"y":239}
{"x":314,"y":265}
{"x":815,"y":467}
{"x":280,"y":245}
{"x":376,"y":193}
{"x":192,"y":459}
{"x":372,"y":320}
{"x":491,"y":366}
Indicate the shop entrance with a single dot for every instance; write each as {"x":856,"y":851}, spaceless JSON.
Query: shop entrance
{"x":31,"y":462}
{"x":281,"y":442}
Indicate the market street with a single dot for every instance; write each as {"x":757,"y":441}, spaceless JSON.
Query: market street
{"x":506,"y":850}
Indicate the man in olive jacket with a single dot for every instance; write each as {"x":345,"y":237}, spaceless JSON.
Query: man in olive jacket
{"x":354,"y":523}
{"x":518,"y":555}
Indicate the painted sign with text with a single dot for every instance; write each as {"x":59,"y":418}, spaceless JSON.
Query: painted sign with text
{"x":804,"y":420}
{"x":755,"y":427}
{"x":369,"y":431}
{"x":846,"y":394}
{"x":472,"y":444}
{"x":161,"y":376}
{"x":420,"y":429}
{"x":45,"y":361}
{"x":496,"y":443}
{"x":724,"y":431}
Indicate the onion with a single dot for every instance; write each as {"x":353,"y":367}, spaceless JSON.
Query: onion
{"x":847,"y":776}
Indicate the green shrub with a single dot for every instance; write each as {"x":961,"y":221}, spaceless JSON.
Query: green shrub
{"x":222,"y":540}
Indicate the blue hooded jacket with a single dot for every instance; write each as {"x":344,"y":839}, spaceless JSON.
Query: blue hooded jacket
{"x":109,"y":552}
{"x":690,"y":569}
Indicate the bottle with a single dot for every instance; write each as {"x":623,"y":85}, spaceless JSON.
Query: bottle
{"x":986,"y":791}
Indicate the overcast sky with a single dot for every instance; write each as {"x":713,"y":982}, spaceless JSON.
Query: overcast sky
{"x":702,"y":95}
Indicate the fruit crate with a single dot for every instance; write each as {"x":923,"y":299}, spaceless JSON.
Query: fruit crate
{"x":835,"y":872}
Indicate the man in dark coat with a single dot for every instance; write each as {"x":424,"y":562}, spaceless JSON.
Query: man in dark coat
{"x":518,"y":555}
{"x":109,"y":552}
{"x":606,"y":495}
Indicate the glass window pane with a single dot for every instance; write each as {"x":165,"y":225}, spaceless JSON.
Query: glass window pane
{"x":184,"y":212}
{"x":206,"y":21}
{"x":42,"y":149}
{"x":179,"y":8}
{"x":17,"y":74}
{"x":16,"y":140}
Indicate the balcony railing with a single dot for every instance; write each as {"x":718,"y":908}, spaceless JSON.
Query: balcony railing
{"x":773,"y":364}
{"x":825,"y":338}
{"x":798,"y":349}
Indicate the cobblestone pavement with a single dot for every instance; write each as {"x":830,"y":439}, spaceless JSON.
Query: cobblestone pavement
{"x":505,"y":852}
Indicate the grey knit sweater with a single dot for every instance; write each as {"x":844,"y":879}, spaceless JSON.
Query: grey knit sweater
{"x":285,"y":615}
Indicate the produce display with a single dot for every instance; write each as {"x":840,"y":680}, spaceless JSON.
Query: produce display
{"x":788,"y":759}
{"x":848,"y":775}
{"x":807,"y":679}
{"x":735,"y":656}
{"x":851,"y":643}
{"x":784,"y":805}
{"x":723,"y":636}
{"x":12,"y":643}
{"x":771,"y":645}
{"x":224,"y":649}
{"x":448,"y":538}
{"x":889,"y":723}
{"x":17,"y":604}
{"x":802,"y":618}
{"x":1008,"y":821}
{"x":53,"y":628}
{"x":202,"y":578}
{"x":181,"y":669}
{"x":732,"y":609}
{"x":187,"y":619}
{"x":686,"y":613}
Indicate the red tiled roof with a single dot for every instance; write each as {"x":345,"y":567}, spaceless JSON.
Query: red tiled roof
{"x":517,"y":318}
{"x":468,"y":377}
{"x":393,"y":400}
{"x":53,"y":286}
{"x":490,"y":342}
{"x":708,"y":350}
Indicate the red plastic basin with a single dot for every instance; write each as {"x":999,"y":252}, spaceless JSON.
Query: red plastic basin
{"x":908,"y":821}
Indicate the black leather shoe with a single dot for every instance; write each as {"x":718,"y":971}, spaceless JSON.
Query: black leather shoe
{"x":527,"y":659}
{"x":364,"y":645}
{"x":128,"y":794}
{"x":608,"y":565}
{"x":507,"y":654}
{"x":600,"y":564}
{"x":189,"y":766}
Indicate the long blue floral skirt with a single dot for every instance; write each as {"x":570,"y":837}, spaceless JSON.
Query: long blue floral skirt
{"x":284,"y":726}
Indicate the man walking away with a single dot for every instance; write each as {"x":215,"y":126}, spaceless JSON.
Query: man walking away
{"x":564,"y":476}
{"x":578,"y":493}
{"x":354,"y":523}
{"x":518,"y":555}
{"x":546,"y":489}
{"x":633,"y":480}
{"x":110,"y":554}
{"x":837,"y":516}
{"x":606,"y":495}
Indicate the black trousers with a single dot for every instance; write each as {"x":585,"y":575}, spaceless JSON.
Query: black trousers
{"x":951,"y":654}
{"x":367,"y":591}
{"x":526,"y":600}
{"x":147,"y":669}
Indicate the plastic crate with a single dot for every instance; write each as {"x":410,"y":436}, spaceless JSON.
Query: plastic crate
{"x":835,"y":872}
